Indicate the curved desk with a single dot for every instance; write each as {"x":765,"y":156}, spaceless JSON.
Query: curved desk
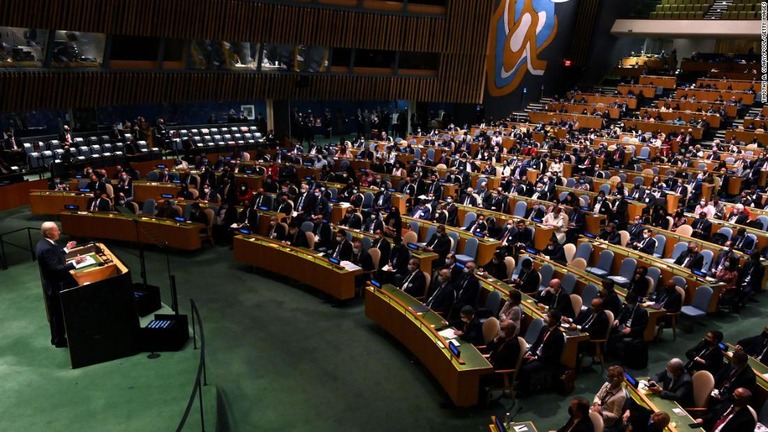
{"x":392,"y":310}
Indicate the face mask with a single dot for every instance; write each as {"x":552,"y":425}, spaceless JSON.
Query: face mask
{"x":702,"y":203}
{"x":339,"y":239}
{"x":669,"y":375}
{"x":272,"y":223}
{"x":449,"y":200}
{"x":466,"y":270}
{"x":646,"y":235}
{"x":411,"y":268}
{"x":465,"y":320}
{"x":356,"y":250}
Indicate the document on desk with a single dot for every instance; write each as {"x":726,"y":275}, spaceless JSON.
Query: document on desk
{"x":349,"y":266}
{"x":521,"y":428}
{"x":449,"y":333}
{"x":88,"y":262}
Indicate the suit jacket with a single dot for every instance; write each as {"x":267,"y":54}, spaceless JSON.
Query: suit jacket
{"x":345,"y":250}
{"x":755,"y":346}
{"x":671,"y":302}
{"x":473,"y":332}
{"x":467,"y":290}
{"x":262,"y":201}
{"x":595,"y":325}
{"x":712,"y":355}
{"x":696,"y":262}
{"x":648,"y":247}
{"x":298,"y":240}
{"x":635,"y":232}
{"x":277,"y":232}
{"x":560,"y":301}
{"x":740,"y":421}
{"x":441,"y":245}
{"x":551,"y":346}
{"x":679,"y":390}
{"x":705,"y":226}
{"x":730,"y":378}
{"x":285,"y":208}
{"x":529,"y":282}
{"x":363,"y":260}
{"x":503,"y":353}
{"x":639,"y":317}
{"x":54,"y":270}
{"x":468,"y":200}
{"x":414,"y":284}
{"x":102,"y":205}
{"x":384,"y":247}
{"x":741,"y":219}
{"x":441,"y":297}
{"x":557,"y":254}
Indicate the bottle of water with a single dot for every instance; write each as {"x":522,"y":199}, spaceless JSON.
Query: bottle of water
{"x":507,"y":421}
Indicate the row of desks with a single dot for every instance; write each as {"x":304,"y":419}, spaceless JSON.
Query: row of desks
{"x":694,"y":106}
{"x":746,"y":136}
{"x":584,"y":121}
{"x":667,"y":128}
{"x":687,"y":116}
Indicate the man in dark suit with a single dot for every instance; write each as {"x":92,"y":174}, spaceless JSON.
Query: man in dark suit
{"x":670,"y":300}
{"x":362,"y":259}
{"x":555,"y":298}
{"x":755,"y":346}
{"x":528,"y":280}
{"x":545,"y":352}
{"x":304,"y":204}
{"x":467,"y":288}
{"x":440,"y":244}
{"x":341,"y":249}
{"x":691,"y":258}
{"x":470,"y":329}
{"x":673,"y":383}
{"x":504,"y":349}
{"x":14,"y":152}
{"x":647,"y":244}
{"x":733,"y":418}
{"x":99,"y":202}
{"x":55,"y":276}
{"x":610,"y":234}
{"x":706,"y":355}
{"x":629,"y":326}
{"x":260,"y":199}
{"x":383,"y":245}
{"x":468,"y":199}
{"x":441,"y":295}
{"x":737,"y":215}
{"x":382,"y":200}
{"x":702,"y":227}
{"x":276,"y":230}
{"x":593,"y":321}
{"x":738,"y":374}
{"x":414,"y":283}
{"x":285,"y":206}
{"x":635,"y":230}
{"x":555,"y":252}
{"x":479,"y":225}
{"x":296,"y":237}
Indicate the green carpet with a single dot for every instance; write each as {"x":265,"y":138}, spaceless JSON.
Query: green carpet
{"x":281,"y":357}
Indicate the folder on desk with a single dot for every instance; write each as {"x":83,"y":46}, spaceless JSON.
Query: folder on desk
{"x":88,"y":262}
{"x":420,"y":308}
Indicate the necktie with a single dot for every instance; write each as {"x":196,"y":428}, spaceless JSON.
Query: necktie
{"x":687,"y":260}
{"x":724,"y":419}
{"x":432,"y":299}
{"x":589,"y":321}
{"x":406,"y":281}
{"x":299,"y":204}
{"x":338,"y":251}
{"x":95,"y":205}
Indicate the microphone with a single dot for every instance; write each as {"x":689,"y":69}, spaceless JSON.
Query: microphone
{"x":510,"y":419}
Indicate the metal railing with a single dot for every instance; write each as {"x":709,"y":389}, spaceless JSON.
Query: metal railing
{"x":4,"y":241}
{"x":201,"y":378}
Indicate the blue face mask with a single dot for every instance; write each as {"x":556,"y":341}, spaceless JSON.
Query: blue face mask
{"x":669,"y":375}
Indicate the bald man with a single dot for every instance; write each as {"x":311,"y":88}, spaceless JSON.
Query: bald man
{"x":55,"y":276}
{"x":555,"y":298}
{"x":733,"y":418}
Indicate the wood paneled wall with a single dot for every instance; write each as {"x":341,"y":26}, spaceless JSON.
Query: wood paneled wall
{"x":234,"y":20}
{"x":459,"y":36}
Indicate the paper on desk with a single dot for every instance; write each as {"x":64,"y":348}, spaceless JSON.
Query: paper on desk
{"x":349,"y":266}
{"x":88,"y":261}
{"x":521,"y":428}
{"x":448,"y":334}
{"x":678,"y":411}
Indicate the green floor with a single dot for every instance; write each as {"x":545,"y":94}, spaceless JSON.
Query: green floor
{"x":281,"y":357}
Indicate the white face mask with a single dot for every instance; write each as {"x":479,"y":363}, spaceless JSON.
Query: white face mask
{"x":646,"y":235}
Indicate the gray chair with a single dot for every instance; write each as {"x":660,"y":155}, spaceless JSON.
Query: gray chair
{"x":307,"y":226}
{"x":455,"y":237}
{"x":626,"y":272}
{"x":679,"y":248}
{"x":661,"y":243}
{"x":519,"y":266}
{"x":707,"y":255}
{"x":764,"y":220}
{"x":727,"y":232}
{"x":589,"y":293}
{"x":655,"y":274}
{"x":534,"y":328}
{"x":470,"y":251}
{"x":699,"y":304}
{"x":492,"y":305}
{"x":547,"y":272}
{"x":469,"y":218}
{"x":604,"y":263}
{"x":568,"y":283}
{"x":584,"y":251}
{"x":521,"y":208}
{"x":431,"y":230}
{"x":149,"y":207}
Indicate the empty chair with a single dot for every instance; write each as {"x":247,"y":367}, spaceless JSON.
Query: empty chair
{"x":576,"y":302}
{"x":708,"y":255}
{"x":605,"y":188}
{"x":149,"y":207}
{"x":645,"y":152}
{"x":699,"y":304}
{"x":703,"y":383}
{"x":568,"y":283}
{"x":570,"y":251}
{"x":680,"y":281}
{"x":749,"y":243}
{"x":584,"y":251}
{"x":727,"y":232}
{"x":546,"y":272}
{"x":604,"y":263}
{"x":521,"y":207}
{"x":679,"y":248}
{"x":454,"y":236}
{"x":409,"y":237}
{"x":469,"y":218}
{"x":414,"y":227}
{"x":624,"y":236}
{"x":509,"y":262}
{"x":578,"y":263}
{"x":470,"y":251}
{"x":570,"y":182}
{"x":654,"y":273}
{"x":661,"y":242}
{"x":534,"y":328}
{"x":626,"y":272}
{"x":492,"y":306}
{"x":307,"y":226}
{"x":684,"y":230}
{"x":589,"y":293}
{"x":764,"y":220}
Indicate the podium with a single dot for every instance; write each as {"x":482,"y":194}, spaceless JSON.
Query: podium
{"x":100,"y":313}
